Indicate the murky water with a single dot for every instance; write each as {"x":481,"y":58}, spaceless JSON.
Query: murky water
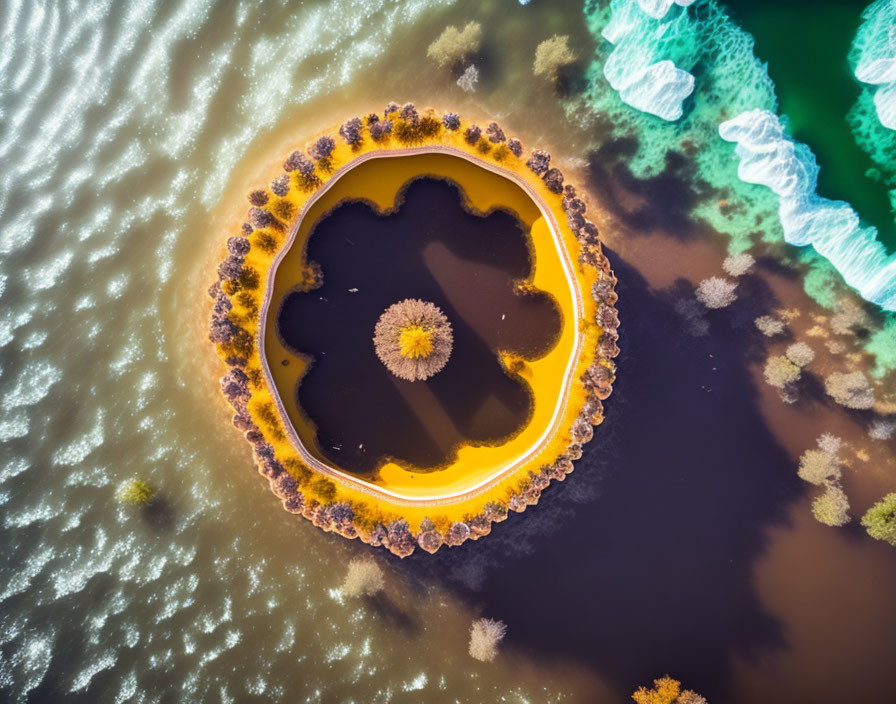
{"x":129,"y":133}
{"x":462,"y":262}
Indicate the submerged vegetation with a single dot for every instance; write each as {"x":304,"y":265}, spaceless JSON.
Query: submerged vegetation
{"x":551,"y":56}
{"x":455,"y":44}
{"x":364,"y":578}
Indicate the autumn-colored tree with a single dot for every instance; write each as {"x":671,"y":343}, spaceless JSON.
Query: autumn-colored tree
{"x":665,"y":691}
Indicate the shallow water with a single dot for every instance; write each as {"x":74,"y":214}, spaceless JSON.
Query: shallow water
{"x":130,"y":133}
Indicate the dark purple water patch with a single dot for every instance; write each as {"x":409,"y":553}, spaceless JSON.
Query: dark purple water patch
{"x":433,"y":249}
{"x":642,"y":562}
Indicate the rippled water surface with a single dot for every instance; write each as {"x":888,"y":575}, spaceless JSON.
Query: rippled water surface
{"x":129,"y":133}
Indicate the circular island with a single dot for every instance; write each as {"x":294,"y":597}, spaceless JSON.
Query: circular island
{"x":419,"y":326}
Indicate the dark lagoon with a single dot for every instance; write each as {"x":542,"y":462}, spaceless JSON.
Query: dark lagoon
{"x":433,"y":249}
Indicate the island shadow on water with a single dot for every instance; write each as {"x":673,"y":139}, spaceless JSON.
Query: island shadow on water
{"x":434,"y":249}
{"x":641,"y":563}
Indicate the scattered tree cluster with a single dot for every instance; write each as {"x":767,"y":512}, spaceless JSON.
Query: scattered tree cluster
{"x":485,"y":635}
{"x":821,"y":467}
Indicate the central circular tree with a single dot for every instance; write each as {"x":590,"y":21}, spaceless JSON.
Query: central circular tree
{"x":413,"y":339}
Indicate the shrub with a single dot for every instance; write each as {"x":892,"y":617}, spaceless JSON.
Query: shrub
{"x":409,"y":113}
{"x":800,"y":354}
{"x":260,"y":218}
{"x":551,"y":56}
{"x":364,"y":577}
{"x":381,"y":129}
{"x":769,"y":326}
{"x":832,"y":507}
{"x":468,"y":79}
{"x":454,"y":45}
{"x":738,"y":264}
{"x":258,"y":198}
{"x":280,"y":185}
{"x":495,"y":133}
{"x":880,"y":520}
{"x":238,"y":246}
{"x":818,"y":467}
{"x":850,"y":389}
{"x":553,"y":179}
{"x":780,"y":372}
{"x":135,"y":492}
{"x":485,"y":635}
{"x":716,"y":292}
{"x":539,"y":162}
{"x":350,"y":131}
{"x":472,"y":134}
{"x":451,"y":120}
{"x":322,"y":148}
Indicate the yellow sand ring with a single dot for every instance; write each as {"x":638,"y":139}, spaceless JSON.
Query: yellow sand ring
{"x":401,"y":509}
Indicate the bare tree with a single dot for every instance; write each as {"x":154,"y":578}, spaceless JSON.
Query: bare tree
{"x":468,"y":79}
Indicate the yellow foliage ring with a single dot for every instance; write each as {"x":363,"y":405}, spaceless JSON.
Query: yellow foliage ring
{"x":345,"y":504}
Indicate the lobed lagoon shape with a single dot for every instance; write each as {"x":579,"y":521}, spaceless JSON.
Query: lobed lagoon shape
{"x":424,"y":330}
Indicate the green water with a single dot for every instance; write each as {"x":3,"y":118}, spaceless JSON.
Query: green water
{"x":806,"y":44}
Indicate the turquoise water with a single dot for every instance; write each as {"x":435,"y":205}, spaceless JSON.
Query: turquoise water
{"x":806,"y":46}
{"x":719,"y":75}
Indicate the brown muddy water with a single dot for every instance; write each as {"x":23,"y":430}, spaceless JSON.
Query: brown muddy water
{"x":681,"y":544}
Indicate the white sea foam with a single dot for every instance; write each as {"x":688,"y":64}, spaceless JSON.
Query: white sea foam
{"x":770,"y":158}
{"x":876,"y":47}
{"x":636,"y":68}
